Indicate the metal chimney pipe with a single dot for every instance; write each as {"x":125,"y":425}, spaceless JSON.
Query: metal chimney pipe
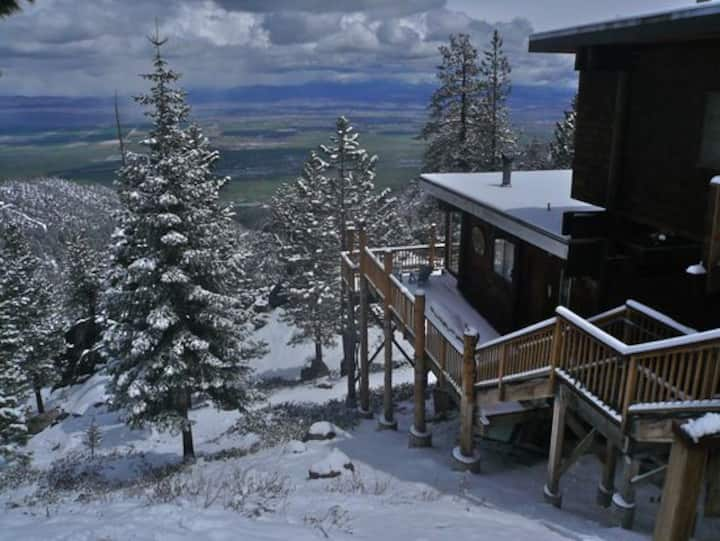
{"x":507,"y":163}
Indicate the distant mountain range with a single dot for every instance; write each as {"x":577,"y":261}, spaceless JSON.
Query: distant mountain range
{"x":21,"y":114}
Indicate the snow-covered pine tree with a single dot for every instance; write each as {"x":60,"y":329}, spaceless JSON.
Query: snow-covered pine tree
{"x":29,"y":307}
{"x":83,"y":275}
{"x":534,"y":156}
{"x":497,"y":134}
{"x":562,"y":149}
{"x":336,"y":190}
{"x":349,"y":190}
{"x":13,"y":430}
{"x":174,"y":326}
{"x":309,"y":241}
{"x":454,"y":126}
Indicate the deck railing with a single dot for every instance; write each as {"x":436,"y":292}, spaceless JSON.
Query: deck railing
{"x":629,"y":359}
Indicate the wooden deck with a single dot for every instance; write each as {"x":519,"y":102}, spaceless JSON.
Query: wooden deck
{"x":621,"y":378}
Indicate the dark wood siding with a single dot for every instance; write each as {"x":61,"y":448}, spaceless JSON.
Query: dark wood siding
{"x":661,"y":181}
{"x":531,"y":296}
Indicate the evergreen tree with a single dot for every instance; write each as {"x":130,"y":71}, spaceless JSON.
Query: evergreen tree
{"x":13,"y":299}
{"x":534,"y":156}
{"x":562,"y":149}
{"x":82,"y":278}
{"x":454,"y":127}
{"x":8,"y":7}
{"x":497,"y":135}
{"x":175,"y":327}
{"x":29,"y":310}
{"x":336,"y":190}
{"x":309,"y":254}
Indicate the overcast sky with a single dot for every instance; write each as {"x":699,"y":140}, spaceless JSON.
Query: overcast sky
{"x":94,"y":47}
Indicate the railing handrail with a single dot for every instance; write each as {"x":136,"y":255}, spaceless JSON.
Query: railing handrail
{"x":659,"y":317}
{"x":406,"y":248}
{"x":647,"y":347}
{"x":349,"y":262}
{"x":517,"y":334}
{"x":404,"y":290}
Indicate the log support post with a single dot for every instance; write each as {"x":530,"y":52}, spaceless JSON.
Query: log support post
{"x":683,"y":485}
{"x":624,"y":499}
{"x":441,"y":397}
{"x":607,"y":483}
{"x":364,"y":391}
{"x":465,"y":456}
{"x":431,"y":249}
{"x":557,"y":438}
{"x":419,"y":434}
{"x":712,"y":493}
{"x":448,"y":238}
{"x":387,"y":419}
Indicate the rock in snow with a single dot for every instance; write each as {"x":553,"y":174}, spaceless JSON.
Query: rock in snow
{"x":295,"y":447}
{"x":332,"y":466}
{"x":322,"y":431}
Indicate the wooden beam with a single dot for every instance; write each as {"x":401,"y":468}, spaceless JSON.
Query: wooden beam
{"x":364,"y":390}
{"x":581,"y":448}
{"x":624,"y":500}
{"x":419,"y":436}
{"x":712,"y":493}
{"x":387,"y":420}
{"x":712,"y":240}
{"x":464,"y":455}
{"x":607,"y":483}
{"x":676,"y":518}
{"x":557,"y":438}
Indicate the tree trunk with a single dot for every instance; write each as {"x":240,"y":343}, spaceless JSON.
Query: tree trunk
{"x":187,"y":437}
{"x":38,"y":398}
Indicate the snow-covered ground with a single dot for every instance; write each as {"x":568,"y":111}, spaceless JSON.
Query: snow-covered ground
{"x":394,"y":493}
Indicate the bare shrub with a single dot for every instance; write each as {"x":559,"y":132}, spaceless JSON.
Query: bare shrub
{"x":356,"y":484}
{"x":336,"y":517}
{"x":245,"y":491}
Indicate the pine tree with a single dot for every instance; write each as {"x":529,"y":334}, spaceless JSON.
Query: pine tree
{"x":535,"y":156}
{"x":13,"y":298}
{"x":497,"y":135}
{"x":174,"y":326}
{"x":309,"y":254}
{"x":562,"y":149}
{"x":92,"y":437}
{"x":336,"y":190}
{"x":30,"y":310}
{"x":454,"y":128}
{"x":82,"y":278}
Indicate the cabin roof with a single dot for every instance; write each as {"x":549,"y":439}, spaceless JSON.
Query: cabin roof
{"x":692,"y":23}
{"x":521,"y":209}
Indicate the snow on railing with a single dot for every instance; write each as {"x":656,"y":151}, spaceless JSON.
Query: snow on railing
{"x":659,"y":317}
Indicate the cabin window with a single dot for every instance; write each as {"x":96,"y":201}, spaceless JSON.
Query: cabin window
{"x":478,"y":240}
{"x":710,"y":148}
{"x":504,"y":260}
{"x":455,"y":230}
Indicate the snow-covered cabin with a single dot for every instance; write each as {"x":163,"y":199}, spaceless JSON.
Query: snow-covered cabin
{"x":639,"y":214}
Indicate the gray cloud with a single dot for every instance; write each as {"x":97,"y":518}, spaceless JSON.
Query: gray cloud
{"x":84,"y":47}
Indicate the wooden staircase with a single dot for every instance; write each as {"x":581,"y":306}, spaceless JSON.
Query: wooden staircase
{"x":628,"y":374}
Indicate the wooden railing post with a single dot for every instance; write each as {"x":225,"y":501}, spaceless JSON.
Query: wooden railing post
{"x":557,"y":348}
{"x":431,"y":248}
{"x":419,"y":435}
{"x":387,"y":420}
{"x":350,"y":239}
{"x":465,"y":455}
{"x":630,"y":389}
{"x":364,"y":391}
{"x":501,"y":371}
{"x":441,"y":397}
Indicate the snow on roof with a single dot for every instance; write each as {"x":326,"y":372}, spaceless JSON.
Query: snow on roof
{"x":531,"y":209}
{"x":687,"y":23}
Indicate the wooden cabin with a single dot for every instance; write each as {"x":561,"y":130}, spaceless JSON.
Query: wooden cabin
{"x":638,"y":216}
{"x":544,"y":254}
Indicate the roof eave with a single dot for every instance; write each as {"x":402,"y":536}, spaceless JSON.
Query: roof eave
{"x":690,"y":24}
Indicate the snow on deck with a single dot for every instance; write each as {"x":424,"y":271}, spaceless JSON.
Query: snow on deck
{"x":527,"y":199}
{"x":450,"y":312}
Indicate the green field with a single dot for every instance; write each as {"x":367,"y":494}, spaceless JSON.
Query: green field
{"x":258,"y":154}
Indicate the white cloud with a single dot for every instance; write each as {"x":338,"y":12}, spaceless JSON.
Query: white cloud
{"x":94,"y":47}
